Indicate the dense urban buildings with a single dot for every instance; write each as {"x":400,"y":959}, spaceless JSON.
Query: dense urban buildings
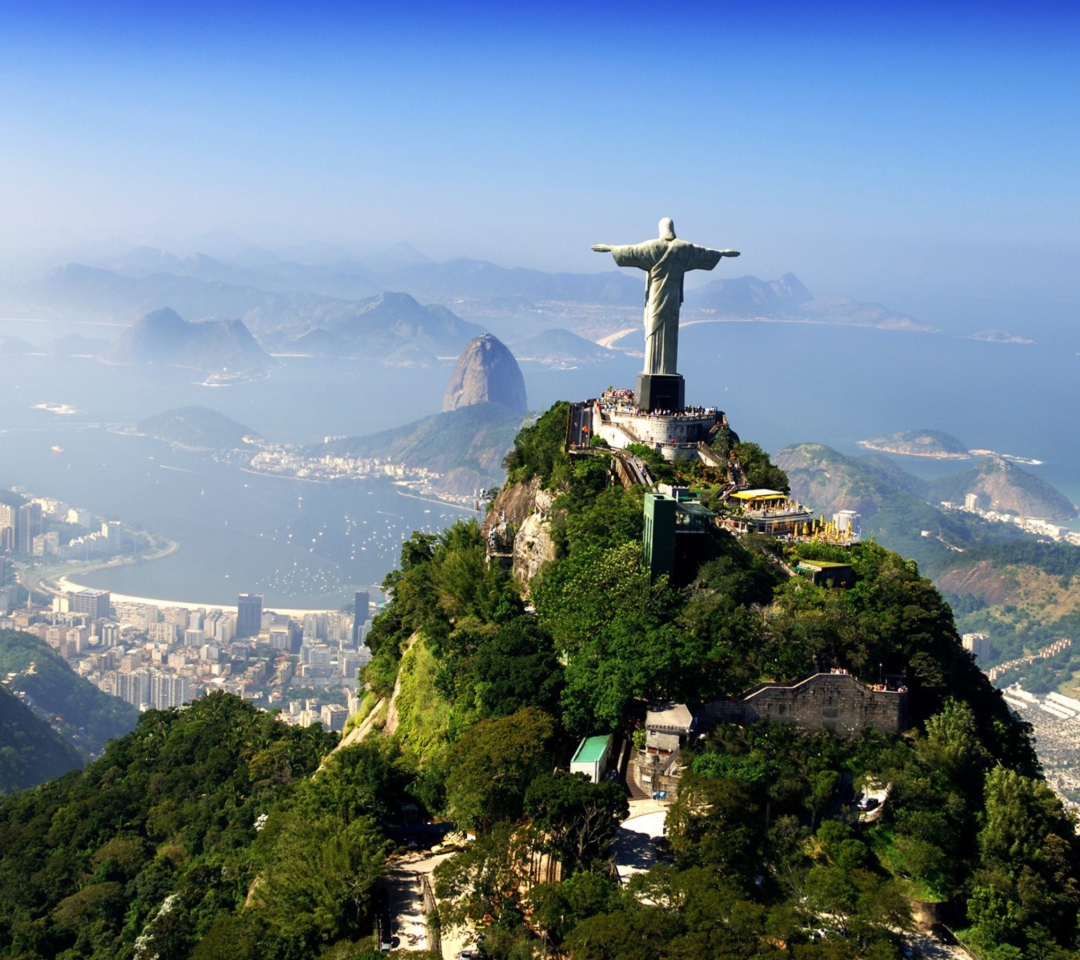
{"x":165,"y":656}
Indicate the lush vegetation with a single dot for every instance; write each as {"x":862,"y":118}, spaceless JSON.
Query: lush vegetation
{"x":1041,"y":603}
{"x":467,"y":444}
{"x":210,"y":833}
{"x":82,"y":714}
{"x":155,"y":839}
{"x":30,"y":750}
{"x":539,"y":449}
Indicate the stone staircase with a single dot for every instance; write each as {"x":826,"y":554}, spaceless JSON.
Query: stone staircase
{"x":630,"y":779}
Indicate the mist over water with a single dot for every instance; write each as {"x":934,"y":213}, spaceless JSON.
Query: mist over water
{"x":778,"y":383}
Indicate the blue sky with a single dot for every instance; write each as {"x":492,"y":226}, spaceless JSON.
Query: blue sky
{"x":883,"y":150}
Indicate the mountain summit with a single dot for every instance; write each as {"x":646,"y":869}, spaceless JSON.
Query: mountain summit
{"x":165,"y":337}
{"x":486,"y":372}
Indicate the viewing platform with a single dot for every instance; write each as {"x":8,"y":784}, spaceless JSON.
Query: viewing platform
{"x":770,"y":512}
{"x":675,"y":434}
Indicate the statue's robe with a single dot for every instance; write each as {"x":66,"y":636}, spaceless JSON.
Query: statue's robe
{"x":666,"y":261}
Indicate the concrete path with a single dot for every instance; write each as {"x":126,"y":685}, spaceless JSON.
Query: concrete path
{"x":636,"y":842}
{"x":406,"y":901}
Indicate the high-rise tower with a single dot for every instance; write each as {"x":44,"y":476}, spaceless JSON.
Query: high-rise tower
{"x":249,"y":608}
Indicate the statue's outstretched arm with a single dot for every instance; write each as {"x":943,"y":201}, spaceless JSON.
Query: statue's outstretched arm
{"x":602,"y":247}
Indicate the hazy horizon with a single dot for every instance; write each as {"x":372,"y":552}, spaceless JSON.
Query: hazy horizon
{"x":916,"y":156}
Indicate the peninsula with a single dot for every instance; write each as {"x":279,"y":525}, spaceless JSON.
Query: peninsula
{"x":919,"y":443}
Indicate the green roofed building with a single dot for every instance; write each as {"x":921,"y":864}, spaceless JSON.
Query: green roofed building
{"x":827,"y":573}
{"x":591,"y":759}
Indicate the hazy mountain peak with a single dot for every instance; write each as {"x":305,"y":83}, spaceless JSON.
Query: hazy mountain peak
{"x":486,"y":372}
{"x":163,"y":336}
{"x":396,"y":255}
{"x":790,"y":287}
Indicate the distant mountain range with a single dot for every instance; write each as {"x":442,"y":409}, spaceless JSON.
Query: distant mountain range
{"x":1006,"y":488}
{"x":384,"y":326}
{"x":559,"y":346}
{"x":788,"y":299}
{"x":282,"y":300}
{"x":164,"y":337}
{"x":467,"y":446}
{"x":897,"y":506}
{"x":1023,"y":592}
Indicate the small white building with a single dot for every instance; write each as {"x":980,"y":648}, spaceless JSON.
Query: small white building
{"x":592,"y":757}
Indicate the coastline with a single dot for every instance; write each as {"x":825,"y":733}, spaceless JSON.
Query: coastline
{"x":65,"y":585}
{"x":936,"y":455}
{"x":45,"y":579}
{"x":436,"y":500}
{"x":373,"y":477}
{"x":942,"y":455}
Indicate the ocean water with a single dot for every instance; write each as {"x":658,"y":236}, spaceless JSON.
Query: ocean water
{"x":778,"y":383}
{"x":792,"y":383}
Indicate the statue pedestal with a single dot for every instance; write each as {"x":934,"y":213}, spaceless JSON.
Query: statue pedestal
{"x":660,"y":391}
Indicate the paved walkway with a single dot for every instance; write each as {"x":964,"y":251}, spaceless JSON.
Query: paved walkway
{"x":636,"y":842}
{"x":405,"y":900}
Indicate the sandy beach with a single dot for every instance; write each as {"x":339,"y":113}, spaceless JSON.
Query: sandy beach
{"x":65,"y":585}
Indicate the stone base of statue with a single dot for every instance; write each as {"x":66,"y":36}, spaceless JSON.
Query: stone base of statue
{"x":660,"y":391}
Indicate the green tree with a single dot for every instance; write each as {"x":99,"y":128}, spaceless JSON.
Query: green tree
{"x":1027,"y":877}
{"x":491,"y":766}
{"x":717,"y":822}
{"x":483,"y":883}
{"x":319,"y":878}
{"x":558,"y":907}
{"x":759,"y":469}
{"x":540,"y":450}
{"x":517,"y":668}
{"x":576,"y":820}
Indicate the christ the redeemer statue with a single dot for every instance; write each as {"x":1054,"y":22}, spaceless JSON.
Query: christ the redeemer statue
{"x":666,"y":259}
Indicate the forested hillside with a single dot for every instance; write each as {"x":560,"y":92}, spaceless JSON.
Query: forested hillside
{"x":161,"y":848}
{"x":73,"y":706}
{"x":30,"y":750}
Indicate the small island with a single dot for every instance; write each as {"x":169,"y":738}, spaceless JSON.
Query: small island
{"x":1000,"y":336}
{"x":919,"y":443}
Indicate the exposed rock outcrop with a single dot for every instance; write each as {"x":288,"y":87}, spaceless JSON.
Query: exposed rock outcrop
{"x":486,"y":372}
{"x":527,"y":509}
{"x":533,"y":547}
{"x":514,"y":504}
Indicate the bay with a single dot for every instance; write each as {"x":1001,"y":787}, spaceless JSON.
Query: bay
{"x":778,"y":383}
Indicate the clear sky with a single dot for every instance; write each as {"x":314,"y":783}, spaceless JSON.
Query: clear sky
{"x":878,"y":149}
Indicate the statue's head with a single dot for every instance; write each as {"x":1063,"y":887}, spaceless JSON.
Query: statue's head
{"x":667,"y":229}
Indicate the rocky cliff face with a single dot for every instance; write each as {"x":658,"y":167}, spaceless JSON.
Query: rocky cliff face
{"x":533,"y":547}
{"x":486,"y":372}
{"x":527,"y":507}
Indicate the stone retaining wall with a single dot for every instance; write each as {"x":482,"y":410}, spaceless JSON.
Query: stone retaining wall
{"x":828,"y":701}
